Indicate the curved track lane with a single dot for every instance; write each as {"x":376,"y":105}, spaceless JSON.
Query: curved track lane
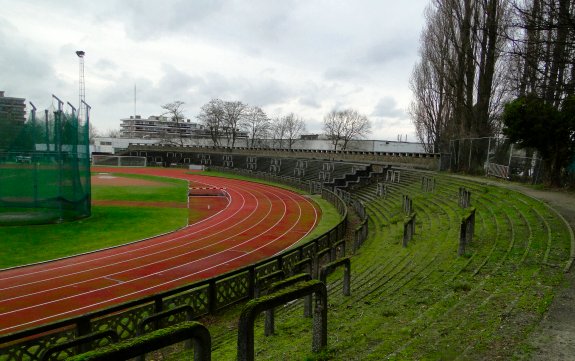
{"x":258,"y":222}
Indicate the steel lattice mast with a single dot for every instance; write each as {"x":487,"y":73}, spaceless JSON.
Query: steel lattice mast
{"x":82,"y":86}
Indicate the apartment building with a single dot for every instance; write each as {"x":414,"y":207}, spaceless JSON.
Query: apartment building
{"x":160,"y":127}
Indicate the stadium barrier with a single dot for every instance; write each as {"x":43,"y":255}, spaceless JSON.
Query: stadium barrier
{"x":466,"y":231}
{"x":118,"y":161}
{"x":464,"y":197}
{"x":139,"y":346}
{"x":297,"y":291}
{"x":269,"y":322}
{"x":331,"y":267}
{"x":408,"y":228}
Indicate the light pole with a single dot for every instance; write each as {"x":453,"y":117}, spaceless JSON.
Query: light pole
{"x":82,"y":85}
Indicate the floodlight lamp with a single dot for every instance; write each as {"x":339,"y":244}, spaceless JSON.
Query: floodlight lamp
{"x":80,"y":53}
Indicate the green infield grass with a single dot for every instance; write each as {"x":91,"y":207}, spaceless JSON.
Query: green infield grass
{"x":168,"y":190}
{"x":107,"y":227}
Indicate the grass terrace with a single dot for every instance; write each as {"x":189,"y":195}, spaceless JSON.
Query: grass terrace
{"x":424,"y":301}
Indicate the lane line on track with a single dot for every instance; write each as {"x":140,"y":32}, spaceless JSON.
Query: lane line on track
{"x":236,"y":251}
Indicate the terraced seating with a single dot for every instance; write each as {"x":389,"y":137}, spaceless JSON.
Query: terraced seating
{"x":462,"y":291}
{"x":239,"y":161}
{"x":312,"y":170}
{"x":426,"y":302}
{"x":346,"y":178}
{"x":263,"y":164}
{"x":331,"y":170}
{"x":287,"y":167}
{"x":341,"y":169}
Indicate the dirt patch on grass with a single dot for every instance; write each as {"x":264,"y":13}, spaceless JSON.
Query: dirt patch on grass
{"x":107,"y":179}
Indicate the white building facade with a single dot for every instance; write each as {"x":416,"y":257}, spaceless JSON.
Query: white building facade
{"x":159,"y":127}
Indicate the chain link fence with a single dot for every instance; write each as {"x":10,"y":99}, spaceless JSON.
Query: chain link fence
{"x":492,"y":156}
{"x":45,"y":168}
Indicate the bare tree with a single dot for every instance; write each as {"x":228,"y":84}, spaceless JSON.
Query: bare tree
{"x":457,"y":84}
{"x":278,"y":132}
{"x":333,"y":127}
{"x":430,"y":110}
{"x":234,"y":113}
{"x":223,"y":119}
{"x":288,"y":129}
{"x":256,"y":124}
{"x":212,"y":117}
{"x":544,"y":48}
{"x":93,"y":132}
{"x":175,"y":112}
{"x":112,"y":133}
{"x":345,"y":125}
{"x":294,"y":127}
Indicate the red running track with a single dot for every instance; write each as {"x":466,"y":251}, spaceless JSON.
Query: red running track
{"x":258,"y":222}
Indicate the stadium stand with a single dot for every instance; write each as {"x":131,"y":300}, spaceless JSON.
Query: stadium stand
{"x":518,"y":243}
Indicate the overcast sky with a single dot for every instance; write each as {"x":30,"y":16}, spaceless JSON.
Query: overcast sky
{"x":303,"y":56}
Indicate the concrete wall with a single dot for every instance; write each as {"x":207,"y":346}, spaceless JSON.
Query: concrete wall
{"x":318,"y":144}
{"x":405,"y":159}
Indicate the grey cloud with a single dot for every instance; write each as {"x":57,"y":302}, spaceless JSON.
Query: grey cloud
{"x":265,"y":93}
{"x":314,"y":126}
{"x":157,"y":18}
{"x":104,"y":65}
{"x":381,"y":123}
{"x":342,"y":73}
{"x":345,"y":50}
{"x":261,"y":92}
{"x":387,"y":108}
{"x":309,"y":101}
{"x":26,"y":70}
{"x":175,"y":81}
{"x":121,"y":92}
{"x":389,"y":49}
{"x":216,"y":86}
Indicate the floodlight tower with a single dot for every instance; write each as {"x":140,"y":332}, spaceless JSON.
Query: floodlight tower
{"x":82,"y":86}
